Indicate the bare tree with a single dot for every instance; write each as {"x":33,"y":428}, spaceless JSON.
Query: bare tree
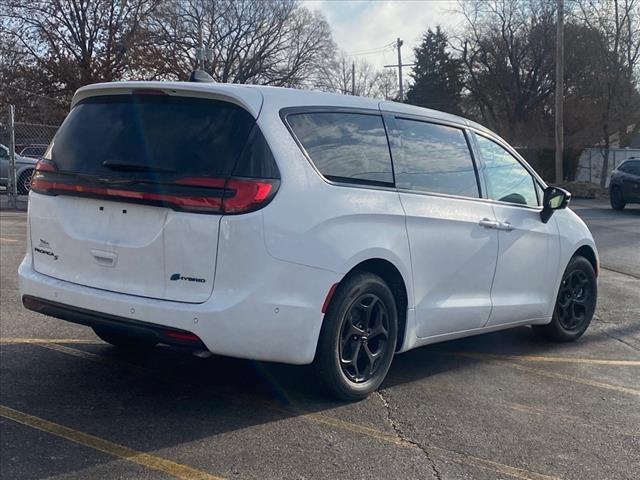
{"x":368,"y":82}
{"x":618,"y":22}
{"x":274,"y":42}
{"x":386,"y":85}
{"x":507,"y":51}
{"x":75,"y":42}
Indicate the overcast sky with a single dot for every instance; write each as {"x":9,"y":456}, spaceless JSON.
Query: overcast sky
{"x":362,"y":26}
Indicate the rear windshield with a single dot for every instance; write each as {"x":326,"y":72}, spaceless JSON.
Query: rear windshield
{"x":151,"y":135}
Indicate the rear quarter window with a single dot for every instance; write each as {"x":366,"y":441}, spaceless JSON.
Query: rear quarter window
{"x":345,"y":147}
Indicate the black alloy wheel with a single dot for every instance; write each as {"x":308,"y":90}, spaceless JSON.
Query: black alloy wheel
{"x":364,"y":337}
{"x":358,"y":337}
{"x":575,"y":303}
{"x":574,"y":300}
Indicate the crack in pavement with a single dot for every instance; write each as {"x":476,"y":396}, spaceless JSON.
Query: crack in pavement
{"x":619,"y":272}
{"x":400,"y":434}
{"x":624,"y":342}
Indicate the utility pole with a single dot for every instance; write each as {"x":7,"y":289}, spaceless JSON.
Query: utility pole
{"x":203,"y":53}
{"x":399,"y":66}
{"x":399,"y":47}
{"x":12,"y":184}
{"x":353,"y":78}
{"x":559,"y":110}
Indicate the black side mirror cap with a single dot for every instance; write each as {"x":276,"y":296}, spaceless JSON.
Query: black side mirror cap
{"x":554,"y":198}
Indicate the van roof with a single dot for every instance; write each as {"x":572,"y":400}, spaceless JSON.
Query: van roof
{"x":253,"y":97}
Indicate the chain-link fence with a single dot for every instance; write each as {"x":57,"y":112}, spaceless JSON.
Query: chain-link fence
{"x":29,"y":141}
{"x":591,"y":160}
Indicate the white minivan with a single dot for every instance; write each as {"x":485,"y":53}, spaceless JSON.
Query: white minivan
{"x":296,"y":226}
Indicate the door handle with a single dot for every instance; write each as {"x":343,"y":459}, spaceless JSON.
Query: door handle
{"x":506,"y":226}
{"x":486,"y":223}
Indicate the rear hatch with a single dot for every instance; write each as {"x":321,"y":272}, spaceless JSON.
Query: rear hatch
{"x":130,"y":194}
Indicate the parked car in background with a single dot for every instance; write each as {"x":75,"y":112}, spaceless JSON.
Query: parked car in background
{"x":34,"y":151}
{"x":339,"y":229}
{"x":24,"y":170}
{"x":624,"y":186}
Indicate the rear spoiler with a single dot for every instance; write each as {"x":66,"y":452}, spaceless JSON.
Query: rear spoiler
{"x":244,"y":96}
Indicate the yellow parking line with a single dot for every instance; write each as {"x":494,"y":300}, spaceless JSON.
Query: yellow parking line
{"x":457,"y":457}
{"x":97,"y":358}
{"x":15,"y":340}
{"x":551,"y":359}
{"x":560,"y":376}
{"x":10,"y":240}
{"x":146,"y":460}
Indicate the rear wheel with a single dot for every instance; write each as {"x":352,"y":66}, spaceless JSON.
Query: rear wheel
{"x":617,"y":198}
{"x":123,"y":340}
{"x":358,"y":337}
{"x":24,"y":182}
{"x":575,"y":304}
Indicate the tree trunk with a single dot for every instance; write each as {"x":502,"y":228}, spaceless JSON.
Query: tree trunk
{"x":605,"y":156}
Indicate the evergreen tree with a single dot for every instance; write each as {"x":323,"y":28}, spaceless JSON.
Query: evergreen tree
{"x":437,"y":75}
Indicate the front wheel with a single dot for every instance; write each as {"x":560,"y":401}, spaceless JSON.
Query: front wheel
{"x":358,"y":337}
{"x":575,"y":304}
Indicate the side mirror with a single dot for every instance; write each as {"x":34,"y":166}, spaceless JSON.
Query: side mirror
{"x":554,"y":198}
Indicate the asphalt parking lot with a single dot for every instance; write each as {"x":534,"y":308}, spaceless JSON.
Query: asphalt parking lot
{"x":502,"y":405}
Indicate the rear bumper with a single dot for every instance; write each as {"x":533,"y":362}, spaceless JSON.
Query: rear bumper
{"x":90,"y":318}
{"x":276,"y":317}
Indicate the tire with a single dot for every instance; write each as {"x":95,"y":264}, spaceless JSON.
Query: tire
{"x":24,"y":182}
{"x":358,"y":337}
{"x":575,"y":304}
{"x":617,"y":198}
{"x":124,"y":341}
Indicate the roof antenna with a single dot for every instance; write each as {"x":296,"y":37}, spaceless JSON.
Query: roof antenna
{"x":200,"y":76}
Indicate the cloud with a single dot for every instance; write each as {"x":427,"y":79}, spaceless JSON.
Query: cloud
{"x":360,"y":26}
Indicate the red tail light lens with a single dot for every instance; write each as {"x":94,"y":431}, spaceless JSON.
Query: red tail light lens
{"x":38,"y":182}
{"x":246,"y":195}
{"x":45,"y":165}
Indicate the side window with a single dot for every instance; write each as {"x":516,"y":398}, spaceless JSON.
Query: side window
{"x":632,"y":167}
{"x":4,"y":153}
{"x":345,"y":147}
{"x":507,"y":179}
{"x":434,"y":158}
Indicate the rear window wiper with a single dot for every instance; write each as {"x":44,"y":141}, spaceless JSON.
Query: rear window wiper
{"x":134,"y":167}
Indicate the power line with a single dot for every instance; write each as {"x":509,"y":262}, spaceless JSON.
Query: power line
{"x":366,"y":51}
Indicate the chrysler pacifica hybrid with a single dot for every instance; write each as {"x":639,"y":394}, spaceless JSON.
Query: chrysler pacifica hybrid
{"x":295,"y":226}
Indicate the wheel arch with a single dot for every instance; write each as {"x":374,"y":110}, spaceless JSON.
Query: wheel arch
{"x":393,"y":277}
{"x":589,"y":253}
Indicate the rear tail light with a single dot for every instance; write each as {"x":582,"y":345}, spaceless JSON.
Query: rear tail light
{"x":192,"y":194}
{"x":45,"y":165}
{"x":238,"y":195}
